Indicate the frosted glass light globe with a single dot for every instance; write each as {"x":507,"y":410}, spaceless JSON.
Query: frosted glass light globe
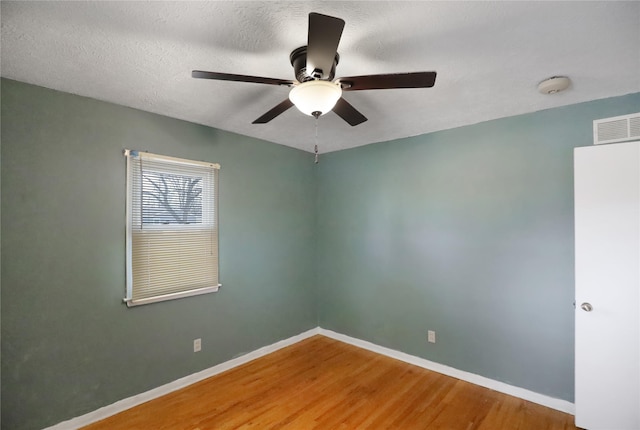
{"x":315,"y":96}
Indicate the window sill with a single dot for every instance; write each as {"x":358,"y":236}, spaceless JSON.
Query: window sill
{"x":148,"y":300}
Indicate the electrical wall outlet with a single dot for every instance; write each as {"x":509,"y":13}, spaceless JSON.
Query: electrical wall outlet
{"x":197,"y":345}
{"x":431,"y":336}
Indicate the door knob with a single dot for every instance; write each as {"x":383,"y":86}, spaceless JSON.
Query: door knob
{"x":586,"y":307}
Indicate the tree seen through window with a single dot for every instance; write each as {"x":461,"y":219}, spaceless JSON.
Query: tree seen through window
{"x":171,"y":199}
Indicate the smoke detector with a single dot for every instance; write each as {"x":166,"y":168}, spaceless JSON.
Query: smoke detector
{"x":554,"y":85}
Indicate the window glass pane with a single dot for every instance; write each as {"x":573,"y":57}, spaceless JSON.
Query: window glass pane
{"x":171,"y":198}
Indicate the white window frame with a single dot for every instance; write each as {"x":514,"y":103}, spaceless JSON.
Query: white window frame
{"x":136,"y":294}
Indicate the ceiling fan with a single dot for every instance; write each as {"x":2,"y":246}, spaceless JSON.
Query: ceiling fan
{"x":314,"y":91}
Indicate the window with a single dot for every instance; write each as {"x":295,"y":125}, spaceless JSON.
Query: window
{"x":172,"y":228}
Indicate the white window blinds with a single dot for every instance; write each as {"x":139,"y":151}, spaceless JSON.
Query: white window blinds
{"x":172,"y":228}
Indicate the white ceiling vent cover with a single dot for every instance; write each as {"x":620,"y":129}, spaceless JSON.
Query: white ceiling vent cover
{"x":616,"y":129}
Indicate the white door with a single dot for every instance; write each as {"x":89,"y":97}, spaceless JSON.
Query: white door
{"x":607,"y":222}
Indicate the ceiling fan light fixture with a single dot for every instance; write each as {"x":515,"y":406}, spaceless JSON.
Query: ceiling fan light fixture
{"x":315,"y":92}
{"x":315,"y":96}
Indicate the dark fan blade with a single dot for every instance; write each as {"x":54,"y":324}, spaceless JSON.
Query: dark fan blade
{"x":348,"y":113}
{"x":239,"y":78}
{"x":322,"y":43}
{"x":389,"y":81}
{"x":286,"y":104}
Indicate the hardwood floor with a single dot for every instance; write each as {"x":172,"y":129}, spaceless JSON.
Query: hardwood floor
{"x":321,"y":383}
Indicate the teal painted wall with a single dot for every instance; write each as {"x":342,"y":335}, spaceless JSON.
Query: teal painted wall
{"x":468,"y":232}
{"x":69,"y":344}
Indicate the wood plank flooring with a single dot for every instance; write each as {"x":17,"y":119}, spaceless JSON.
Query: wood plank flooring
{"x":321,"y":383}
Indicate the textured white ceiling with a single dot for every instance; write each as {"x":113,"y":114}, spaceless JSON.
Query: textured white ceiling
{"x":489,"y":57}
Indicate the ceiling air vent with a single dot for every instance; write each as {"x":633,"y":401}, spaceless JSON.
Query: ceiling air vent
{"x":616,"y":129}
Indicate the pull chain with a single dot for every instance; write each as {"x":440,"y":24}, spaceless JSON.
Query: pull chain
{"x":316,"y":115}
{"x":316,"y":141}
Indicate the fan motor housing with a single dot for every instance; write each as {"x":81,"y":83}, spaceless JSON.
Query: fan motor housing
{"x":298,"y":60}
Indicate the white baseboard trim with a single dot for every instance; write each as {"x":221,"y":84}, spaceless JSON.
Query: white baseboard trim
{"x":154,"y":393}
{"x":531,"y":396}
{"x":123,"y":405}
